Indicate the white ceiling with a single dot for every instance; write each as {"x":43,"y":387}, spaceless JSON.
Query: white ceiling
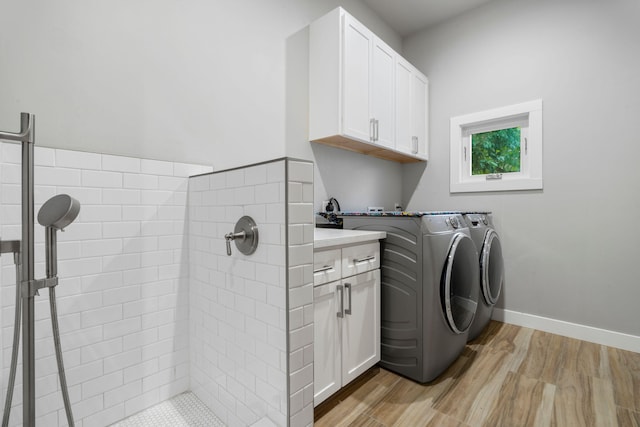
{"x":409,"y":16}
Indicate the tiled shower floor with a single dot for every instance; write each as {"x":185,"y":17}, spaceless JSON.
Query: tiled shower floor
{"x":183,"y":410}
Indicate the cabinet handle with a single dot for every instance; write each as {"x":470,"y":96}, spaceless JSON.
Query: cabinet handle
{"x":376,"y":128}
{"x":340,"y":290}
{"x":323,"y":269}
{"x":414,"y":140}
{"x":365,"y":259}
{"x":347,"y":286}
{"x":372,"y":127}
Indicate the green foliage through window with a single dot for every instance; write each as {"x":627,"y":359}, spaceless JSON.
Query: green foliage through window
{"x":497,"y":151}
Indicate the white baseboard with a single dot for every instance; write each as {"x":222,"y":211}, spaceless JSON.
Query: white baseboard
{"x":567,"y":329}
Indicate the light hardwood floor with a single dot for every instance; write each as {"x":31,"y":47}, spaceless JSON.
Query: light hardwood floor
{"x":509,"y":376}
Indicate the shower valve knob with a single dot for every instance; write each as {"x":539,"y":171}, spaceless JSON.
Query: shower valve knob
{"x":233,"y":236}
{"x":245,"y":235}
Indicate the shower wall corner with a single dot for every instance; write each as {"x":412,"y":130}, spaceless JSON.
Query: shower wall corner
{"x":151,"y":305}
{"x":251,"y":316}
{"x":122,"y":293}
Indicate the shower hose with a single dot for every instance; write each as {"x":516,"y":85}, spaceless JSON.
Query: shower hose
{"x":16,"y":345}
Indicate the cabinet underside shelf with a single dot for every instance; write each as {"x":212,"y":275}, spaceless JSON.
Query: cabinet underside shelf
{"x":344,"y":143}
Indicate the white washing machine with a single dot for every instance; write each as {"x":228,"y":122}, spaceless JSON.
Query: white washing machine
{"x":429,"y":292}
{"x":491,"y":265}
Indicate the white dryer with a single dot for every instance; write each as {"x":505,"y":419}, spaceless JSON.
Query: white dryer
{"x":491,"y":263}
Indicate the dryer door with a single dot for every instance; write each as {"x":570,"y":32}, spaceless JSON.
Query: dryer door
{"x":491,"y":267}
{"x":459,"y":283}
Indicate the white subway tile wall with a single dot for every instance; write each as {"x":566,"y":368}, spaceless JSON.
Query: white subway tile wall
{"x":250,"y":352}
{"x":238,"y":316}
{"x":136,"y":329}
{"x":123,"y":298}
{"x":300,"y":288}
{"x":4,"y":194}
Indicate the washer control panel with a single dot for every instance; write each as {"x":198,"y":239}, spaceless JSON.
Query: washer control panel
{"x":475,"y":220}
{"x":443,"y":223}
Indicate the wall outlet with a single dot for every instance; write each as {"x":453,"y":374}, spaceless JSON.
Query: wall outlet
{"x":371,"y":209}
{"x":397,"y":206}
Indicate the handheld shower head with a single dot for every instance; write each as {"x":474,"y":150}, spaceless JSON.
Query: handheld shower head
{"x":59,"y":211}
{"x":56,"y":213}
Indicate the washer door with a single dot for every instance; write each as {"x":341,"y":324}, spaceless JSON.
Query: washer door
{"x":459,"y":284}
{"x":491,"y":267}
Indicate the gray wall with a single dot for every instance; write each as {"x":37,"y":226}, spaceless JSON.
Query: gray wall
{"x":220,"y":82}
{"x":198,"y":81}
{"x":571,"y":250}
{"x":224,"y":83}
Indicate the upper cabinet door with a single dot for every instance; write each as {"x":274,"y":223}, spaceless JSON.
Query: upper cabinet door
{"x":382,"y":98}
{"x":357,"y":80}
{"x":411,"y":109}
{"x":420,"y":112}
{"x":404,"y":131}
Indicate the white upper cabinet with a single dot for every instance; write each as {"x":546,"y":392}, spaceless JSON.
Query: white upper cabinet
{"x":420,"y":113}
{"x":353,"y":99}
{"x":412,"y":95}
{"x":382,"y":94}
{"x":357,"y":79}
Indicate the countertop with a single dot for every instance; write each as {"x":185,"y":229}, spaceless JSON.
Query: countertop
{"x":327,"y":237}
{"x":409,"y":213}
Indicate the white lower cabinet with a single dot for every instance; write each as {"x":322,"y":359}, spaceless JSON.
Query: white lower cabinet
{"x":360,"y":325}
{"x":346,"y":327}
{"x":327,"y":343}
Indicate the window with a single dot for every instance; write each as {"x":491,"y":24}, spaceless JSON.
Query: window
{"x":497,"y":150}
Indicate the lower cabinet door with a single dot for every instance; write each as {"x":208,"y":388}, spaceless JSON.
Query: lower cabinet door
{"x":326,"y":336}
{"x":361,"y":324}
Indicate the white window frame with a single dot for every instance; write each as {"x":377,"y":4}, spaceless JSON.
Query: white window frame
{"x":528,"y":116}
